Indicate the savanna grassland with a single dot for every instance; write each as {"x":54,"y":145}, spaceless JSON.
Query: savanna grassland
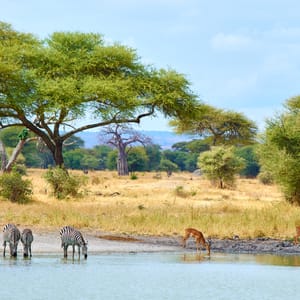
{"x":154,"y":204}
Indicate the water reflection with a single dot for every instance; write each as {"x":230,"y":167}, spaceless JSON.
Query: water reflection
{"x":74,"y":261}
{"x":279,"y":260}
{"x":15,"y":261}
{"x":192,"y":258}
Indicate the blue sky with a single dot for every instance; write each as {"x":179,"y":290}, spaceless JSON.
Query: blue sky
{"x":238,"y":54}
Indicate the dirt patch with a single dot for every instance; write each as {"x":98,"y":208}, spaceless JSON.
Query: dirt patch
{"x":118,"y":238}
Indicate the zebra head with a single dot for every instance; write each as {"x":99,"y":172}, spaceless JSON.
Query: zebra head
{"x":84,"y":249}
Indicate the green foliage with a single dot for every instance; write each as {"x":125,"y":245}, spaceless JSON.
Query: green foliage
{"x":168,"y":166}
{"x":265,"y":177}
{"x":133,"y":176}
{"x":62,"y":183}
{"x":154,"y":156}
{"x":185,"y":161}
{"x":252,"y":167}
{"x":194,"y":146}
{"x":112,"y":160}
{"x":70,"y":75}
{"x":14,"y":188}
{"x":220,"y":165}
{"x":218,"y":127}
{"x":279,"y":151}
{"x":137,"y":159}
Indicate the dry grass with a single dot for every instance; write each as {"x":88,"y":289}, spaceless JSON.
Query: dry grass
{"x":162,"y":206}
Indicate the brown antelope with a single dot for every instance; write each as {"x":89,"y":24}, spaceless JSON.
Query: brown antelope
{"x":198,"y":235}
{"x":297,"y":234}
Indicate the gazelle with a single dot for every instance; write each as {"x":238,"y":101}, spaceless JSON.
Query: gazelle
{"x":198,"y":235}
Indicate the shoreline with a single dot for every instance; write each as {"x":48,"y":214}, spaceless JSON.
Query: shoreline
{"x":104,"y":242}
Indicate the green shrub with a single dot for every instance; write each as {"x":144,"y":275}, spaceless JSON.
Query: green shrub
{"x":62,"y":183}
{"x":14,"y":188}
{"x":133,"y":176}
{"x":265,"y":177}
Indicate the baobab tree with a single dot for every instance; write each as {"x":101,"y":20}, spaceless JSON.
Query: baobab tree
{"x":122,"y":137}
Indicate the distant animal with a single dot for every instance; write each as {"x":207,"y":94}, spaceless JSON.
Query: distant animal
{"x":27,"y":239}
{"x":70,"y":236}
{"x":198,"y":235}
{"x":297,"y":234}
{"x":11,"y":235}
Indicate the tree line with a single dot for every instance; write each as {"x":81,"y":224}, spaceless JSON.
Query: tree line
{"x":182,"y":156}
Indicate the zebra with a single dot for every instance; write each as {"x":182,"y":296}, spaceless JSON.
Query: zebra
{"x":11,"y":235}
{"x":71,"y":236}
{"x":26,"y":239}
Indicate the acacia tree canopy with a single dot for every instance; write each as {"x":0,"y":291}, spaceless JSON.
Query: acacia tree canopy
{"x":217,"y":126}
{"x":72,"y":81}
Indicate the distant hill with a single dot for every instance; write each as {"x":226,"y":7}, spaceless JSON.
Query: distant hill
{"x":163,"y":138}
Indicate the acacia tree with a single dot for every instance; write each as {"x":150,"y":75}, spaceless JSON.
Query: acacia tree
{"x":280,"y":148}
{"x":121,"y":137}
{"x":73,"y":82}
{"x":218,"y":127}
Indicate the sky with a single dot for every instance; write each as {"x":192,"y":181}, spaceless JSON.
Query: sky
{"x":240,"y":55}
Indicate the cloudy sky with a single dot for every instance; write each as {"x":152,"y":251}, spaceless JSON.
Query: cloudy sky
{"x":240,"y":55}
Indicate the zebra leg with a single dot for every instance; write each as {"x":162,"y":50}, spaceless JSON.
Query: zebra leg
{"x":4,"y":245}
{"x":30,"y":250}
{"x":78,"y":252}
{"x":26,"y":251}
{"x":65,"y":251}
{"x":73,"y":251}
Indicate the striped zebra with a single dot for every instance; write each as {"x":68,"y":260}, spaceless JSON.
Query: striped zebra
{"x":26,"y":239}
{"x":73,"y":237}
{"x":11,"y":235}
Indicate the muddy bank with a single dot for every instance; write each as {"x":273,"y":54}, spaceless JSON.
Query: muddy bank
{"x":253,"y":246}
{"x":100,"y":242}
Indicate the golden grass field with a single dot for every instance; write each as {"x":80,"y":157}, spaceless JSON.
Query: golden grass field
{"x":158,"y":205}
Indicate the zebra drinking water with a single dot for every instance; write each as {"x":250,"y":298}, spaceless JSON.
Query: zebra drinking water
{"x":11,"y":235}
{"x":26,"y":239}
{"x":71,"y":236}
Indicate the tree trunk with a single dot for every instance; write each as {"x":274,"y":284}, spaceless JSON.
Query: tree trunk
{"x":58,"y":155}
{"x":122,"y":164}
{"x":3,"y":156}
{"x":14,"y":156}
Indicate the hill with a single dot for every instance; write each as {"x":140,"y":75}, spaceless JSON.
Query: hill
{"x":163,"y":138}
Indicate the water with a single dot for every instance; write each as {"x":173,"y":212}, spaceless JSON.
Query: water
{"x":151,"y":276}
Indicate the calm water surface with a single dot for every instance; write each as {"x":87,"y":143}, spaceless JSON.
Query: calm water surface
{"x":151,"y":276}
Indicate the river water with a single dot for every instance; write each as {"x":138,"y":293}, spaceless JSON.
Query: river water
{"x":151,"y":276}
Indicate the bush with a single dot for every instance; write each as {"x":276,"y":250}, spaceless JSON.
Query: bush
{"x":14,"y":188}
{"x":265,"y":177}
{"x":133,"y":176}
{"x":62,"y":183}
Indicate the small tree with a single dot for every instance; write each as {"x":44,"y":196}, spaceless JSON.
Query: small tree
{"x":220,"y":165}
{"x":168,"y":166}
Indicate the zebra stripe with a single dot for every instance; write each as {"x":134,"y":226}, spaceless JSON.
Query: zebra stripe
{"x":27,"y":239}
{"x":11,"y":235}
{"x":70,"y":236}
